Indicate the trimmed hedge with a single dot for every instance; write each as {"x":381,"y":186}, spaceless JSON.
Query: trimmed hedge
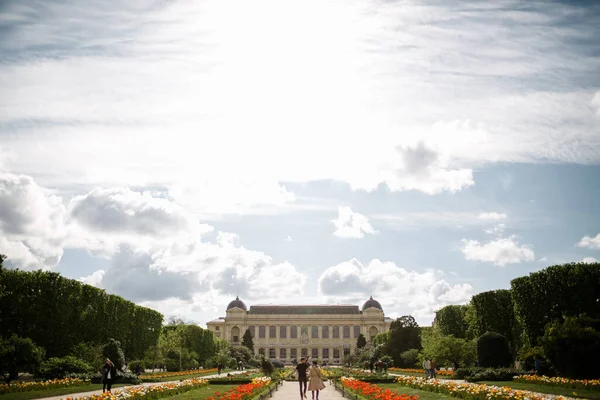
{"x":476,"y":374}
{"x":493,"y":351}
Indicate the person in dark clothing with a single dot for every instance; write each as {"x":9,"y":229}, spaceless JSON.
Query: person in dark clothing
{"x":109,"y":374}
{"x":219,"y":368}
{"x":302,"y":376}
{"x":137,"y":369}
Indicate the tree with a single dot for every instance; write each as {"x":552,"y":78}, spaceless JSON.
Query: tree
{"x":493,"y":351}
{"x":19,"y":354}
{"x":247,"y":341}
{"x":112,"y":350}
{"x":361,"y":341}
{"x":240,"y":353}
{"x":451,"y":321}
{"x":448,"y":349}
{"x":410,"y":358}
{"x":404,"y":334}
{"x":2,"y":258}
{"x":153,"y":357}
{"x":90,"y":353}
{"x":494,"y":312}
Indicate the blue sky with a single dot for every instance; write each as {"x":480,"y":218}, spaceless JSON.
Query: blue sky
{"x":182,"y":153}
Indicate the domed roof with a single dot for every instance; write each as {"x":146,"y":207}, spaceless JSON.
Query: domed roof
{"x":371,"y":303}
{"x":237,"y":303}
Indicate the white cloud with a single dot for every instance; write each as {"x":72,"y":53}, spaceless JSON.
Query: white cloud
{"x":542,"y":259}
{"x":492,"y":216}
{"x":394,"y":287}
{"x":596,"y":102}
{"x":288,"y":238}
{"x":95,"y":279}
{"x":589,"y":260}
{"x":590,"y":242}
{"x":351,"y":224}
{"x":434,"y":103}
{"x":499,"y":252}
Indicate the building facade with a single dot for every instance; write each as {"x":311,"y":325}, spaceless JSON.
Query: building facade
{"x":288,"y":332}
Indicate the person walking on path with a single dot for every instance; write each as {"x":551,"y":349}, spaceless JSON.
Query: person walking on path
{"x":432,"y":369}
{"x":427,"y":367}
{"x":315,"y":382}
{"x":109,"y":374}
{"x":219,"y":367}
{"x":302,"y":378}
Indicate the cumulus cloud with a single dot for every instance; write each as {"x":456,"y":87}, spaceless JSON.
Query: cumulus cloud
{"x":95,"y":279}
{"x":395,"y":287}
{"x":500,"y":252}
{"x":590,"y":242}
{"x":589,"y":260}
{"x":32,"y":228}
{"x":351,"y":224}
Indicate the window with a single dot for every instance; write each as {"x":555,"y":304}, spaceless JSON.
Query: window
{"x":325,"y":332}
{"x":261,"y":351}
{"x":314,"y":332}
{"x":356,"y":331}
{"x":283,"y":332}
{"x":315,"y":354}
{"x":293,"y":353}
{"x":262,"y":332}
{"x":272,"y":353}
{"x":294,"y":332}
{"x":282,"y":354}
{"x":336,"y":353}
{"x":336,"y":332}
{"x":325,"y":353}
{"x":252,"y":330}
{"x":272,"y":332}
{"x":217,"y":328}
{"x":236,"y":339}
{"x":304,"y":352}
{"x":346,"y":332}
{"x":346,"y":352}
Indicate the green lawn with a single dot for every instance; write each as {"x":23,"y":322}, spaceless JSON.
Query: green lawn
{"x":423,"y":394}
{"x":38,"y":394}
{"x":585,"y":394}
{"x":202,"y":393}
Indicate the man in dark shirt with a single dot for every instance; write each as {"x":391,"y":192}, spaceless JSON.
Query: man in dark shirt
{"x":302,"y":378}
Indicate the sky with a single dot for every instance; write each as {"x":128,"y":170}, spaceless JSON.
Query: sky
{"x":180,"y":153}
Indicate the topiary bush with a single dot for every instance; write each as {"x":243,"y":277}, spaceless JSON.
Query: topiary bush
{"x":61,"y":367}
{"x":476,"y":374}
{"x":266,"y":367}
{"x":113,"y":351}
{"x":493,"y":351}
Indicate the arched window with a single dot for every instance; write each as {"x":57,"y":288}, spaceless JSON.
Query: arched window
{"x":336,"y":332}
{"x":315,"y":354}
{"x":272,"y":353}
{"x":282,"y":354}
{"x":252,"y":330}
{"x":235,"y":334}
{"x":346,"y":332}
{"x":262,"y":332}
{"x":272,"y":332}
{"x":283,"y":331}
{"x":304,"y":353}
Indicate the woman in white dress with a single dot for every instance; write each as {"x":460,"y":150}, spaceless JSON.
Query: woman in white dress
{"x":315,"y":382}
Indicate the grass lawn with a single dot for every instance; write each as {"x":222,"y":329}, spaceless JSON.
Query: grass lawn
{"x":585,"y":394}
{"x":423,"y":394}
{"x":202,"y":393}
{"x":38,"y":394}
{"x":179,"y":377}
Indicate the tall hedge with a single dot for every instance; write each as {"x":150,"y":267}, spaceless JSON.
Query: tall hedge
{"x":58,"y":313}
{"x":451,"y":320}
{"x":494,"y":312}
{"x":554,"y":293}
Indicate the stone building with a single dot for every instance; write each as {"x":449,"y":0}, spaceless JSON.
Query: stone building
{"x":288,"y":332}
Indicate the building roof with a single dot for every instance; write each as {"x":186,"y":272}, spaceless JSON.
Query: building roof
{"x":237,"y":303}
{"x":305,"y":310}
{"x":371,"y":303}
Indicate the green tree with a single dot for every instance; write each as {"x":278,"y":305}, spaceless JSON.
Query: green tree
{"x":19,"y":354}
{"x":494,"y":312}
{"x":361,"y":341}
{"x":153,"y":357}
{"x":247,"y":341}
{"x":404,"y":334}
{"x":240,"y":353}
{"x":451,"y":321}
{"x":90,"y":353}
{"x":493,"y":351}
{"x":112,"y":350}
{"x":410,"y":358}
{"x":448,"y":349}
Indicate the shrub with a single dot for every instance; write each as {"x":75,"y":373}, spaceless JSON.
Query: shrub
{"x":132,"y":365}
{"x":569,"y":346}
{"x":476,"y":374}
{"x":277,"y":364}
{"x":90,"y":353}
{"x":19,"y":354}
{"x":58,"y":368}
{"x":409,"y":358}
{"x":493,"y":351}
{"x":266,"y":367}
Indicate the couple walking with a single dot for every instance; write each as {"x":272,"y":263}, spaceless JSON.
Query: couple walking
{"x":311,"y":375}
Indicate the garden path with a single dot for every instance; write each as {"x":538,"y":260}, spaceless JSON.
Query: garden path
{"x":74,"y":396}
{"x":290,"y":390}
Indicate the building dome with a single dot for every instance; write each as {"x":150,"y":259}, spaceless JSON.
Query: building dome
{"x":237,"y":303}
{"x":371,"y":303}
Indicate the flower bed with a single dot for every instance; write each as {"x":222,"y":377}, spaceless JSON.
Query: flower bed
{"x":41,"y":385}
{"x":471,"y":391}
{"x":244,"y":392}
{"x":373,"y":392}
{"x":235,"y":379}
{"x":420,"y":371}
{"x":160,"y":375}
{"x":591,"y":384}
{"x":149,"y":392}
